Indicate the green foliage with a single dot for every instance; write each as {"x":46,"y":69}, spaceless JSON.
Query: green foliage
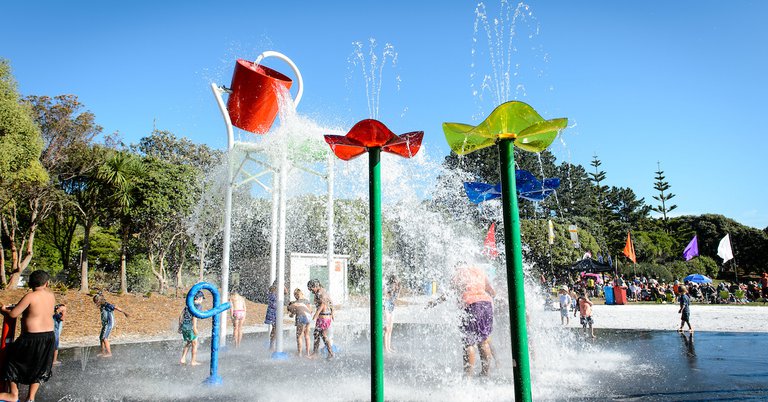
{"x":659,"y":272}
{"x":20,"y":140}
{"x":104,"y":253}
{"x":139,"y":274}
{"x":560,"y":255}
{"x":655,"y":246}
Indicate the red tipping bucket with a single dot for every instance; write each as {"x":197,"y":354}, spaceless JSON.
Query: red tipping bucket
{"x":253,"y":102}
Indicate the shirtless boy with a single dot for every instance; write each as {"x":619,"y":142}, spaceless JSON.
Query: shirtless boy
{"x":585,"y":309}
{"x":31,"y":356}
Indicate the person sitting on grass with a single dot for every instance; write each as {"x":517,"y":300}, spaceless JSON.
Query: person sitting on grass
{"x":30,"y":358}
{"x":107,"y":323}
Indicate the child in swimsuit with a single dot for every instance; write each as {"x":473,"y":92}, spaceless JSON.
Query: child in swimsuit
{"x":58,"y":324}
{"x":271,"y":317}
{"x":390,"y":296}
{"x":107,"y":323}
{"x":301,"y":310}
{"x":188,"y":330}
{"x":323,"y":317}
{"x":585,"y":309}
{"x":238,"y":316}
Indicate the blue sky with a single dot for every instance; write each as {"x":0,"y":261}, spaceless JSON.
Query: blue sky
{"x":681,"y":83}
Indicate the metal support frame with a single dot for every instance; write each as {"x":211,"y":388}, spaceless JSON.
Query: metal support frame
{"x":280,"y":179}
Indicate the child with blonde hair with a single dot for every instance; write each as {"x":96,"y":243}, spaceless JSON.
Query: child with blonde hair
{"x":300,"y":309}
{"x":238,"y":316}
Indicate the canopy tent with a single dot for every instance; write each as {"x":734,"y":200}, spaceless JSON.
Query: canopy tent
{"x":591,"y":265}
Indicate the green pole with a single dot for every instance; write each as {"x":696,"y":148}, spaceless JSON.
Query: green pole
{"x":515,"y":281}
{"x":377,"y":329}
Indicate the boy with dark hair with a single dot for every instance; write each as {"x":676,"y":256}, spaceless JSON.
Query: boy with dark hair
{"x":58,"y":324}
{"x":107,"y":323}
{"x":30,"y":357}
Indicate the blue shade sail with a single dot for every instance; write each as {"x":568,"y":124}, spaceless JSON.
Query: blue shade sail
{"x":528,"y":187}
{"x":478,"y":192}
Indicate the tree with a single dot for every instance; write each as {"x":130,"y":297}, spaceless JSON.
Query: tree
{"x":82,"y":183}
{"x":20,"y":140}
{"x":59,"y":229}
{"x":165,"y":193}
{"x":574,"y":192}
{"x":600,"y":206}
{"x":64,"y":130}
{"x":625,"y":212}
{"x":20,"y":148}
{"x":119,"y":176}
{"x":662,"y":186}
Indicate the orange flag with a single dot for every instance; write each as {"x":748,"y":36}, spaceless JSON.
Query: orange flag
{"x":629,"y":249}
{"x":489,"y":246}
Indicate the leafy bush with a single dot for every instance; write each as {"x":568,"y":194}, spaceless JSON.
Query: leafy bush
{"x":140,"y":279}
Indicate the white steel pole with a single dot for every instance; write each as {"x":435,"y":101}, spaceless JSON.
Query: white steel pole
{"x":281,"y":251}
{"x":274,"y":228}
{"x":227,"y":212}
{"x":329,"y":178}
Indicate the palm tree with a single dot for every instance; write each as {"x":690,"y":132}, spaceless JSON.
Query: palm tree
{"x":118,"y":175}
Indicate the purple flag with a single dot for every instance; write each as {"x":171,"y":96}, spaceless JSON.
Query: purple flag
{"x":692,"y":250}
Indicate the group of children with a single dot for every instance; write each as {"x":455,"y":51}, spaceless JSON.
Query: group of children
{"x":580,"y":303}
{"x":583,"y":305}
{"x":299,"y":309}
{"x":30,"y":358}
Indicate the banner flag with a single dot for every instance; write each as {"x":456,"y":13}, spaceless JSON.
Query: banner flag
{"x":724,"y":249}
{"x":574,"y":231}
{"x":489,"y":246}
{"x":629,"y":249}
{"x":692,"y":250}
{"x":551,"y":232}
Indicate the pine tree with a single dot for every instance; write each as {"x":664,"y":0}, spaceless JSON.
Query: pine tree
{"x":600,"y":191}
{"x":664,"y":196}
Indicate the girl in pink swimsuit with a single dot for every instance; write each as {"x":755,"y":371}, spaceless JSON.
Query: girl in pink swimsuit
{"x":238,"y":316}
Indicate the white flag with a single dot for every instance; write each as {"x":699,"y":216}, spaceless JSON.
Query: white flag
{"x":724,"y":249}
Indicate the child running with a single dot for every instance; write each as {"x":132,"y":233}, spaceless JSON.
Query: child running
{"x":301,"y":310}
{"x":585,"y":308}
{"x":685,"y":309}
{"x":58,"y":324}
{"x":30,"y":357}
{"x":323,"y":317}
{"x":107,"y":323}
{"x":188,"y":330}
{"x":238,"y":316}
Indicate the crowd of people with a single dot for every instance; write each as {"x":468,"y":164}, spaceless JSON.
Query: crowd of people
{"x":641,"y":288}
